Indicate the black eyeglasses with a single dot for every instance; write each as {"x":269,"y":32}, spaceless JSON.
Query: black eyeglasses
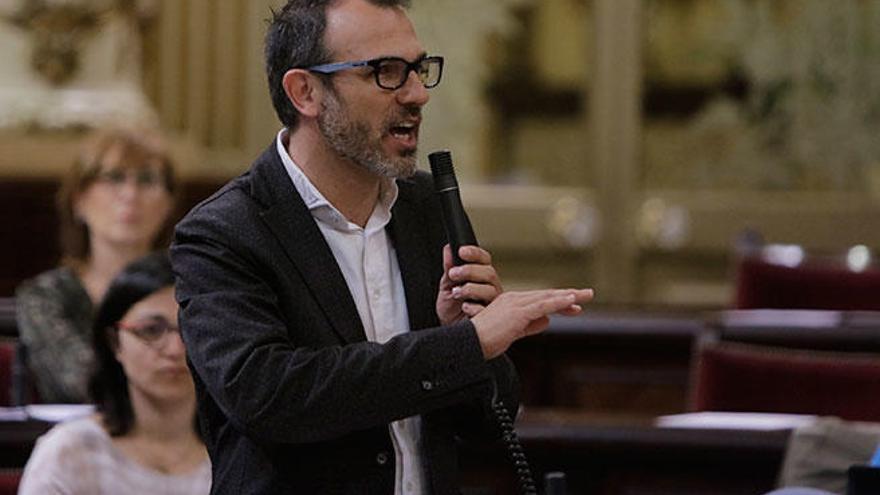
{"x":153,"y":332}
{"x":392,"y":72}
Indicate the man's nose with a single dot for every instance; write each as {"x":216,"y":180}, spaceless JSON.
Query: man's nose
{"x":413,"y":91}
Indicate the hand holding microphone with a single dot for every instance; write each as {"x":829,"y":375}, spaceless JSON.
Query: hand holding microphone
{"x":458,"y":227}
{"x":468,"y":274}
{"x":470,"y":285}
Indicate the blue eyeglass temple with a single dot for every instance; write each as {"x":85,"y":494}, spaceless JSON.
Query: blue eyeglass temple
{"x":338,"y":66}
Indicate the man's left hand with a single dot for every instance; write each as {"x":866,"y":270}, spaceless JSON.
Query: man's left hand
{"x":476,"y":282}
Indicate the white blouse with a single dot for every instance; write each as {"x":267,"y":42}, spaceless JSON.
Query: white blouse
{"x":78,"y":458}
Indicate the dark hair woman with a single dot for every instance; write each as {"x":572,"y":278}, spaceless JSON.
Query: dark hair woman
{"x":143,"y":438}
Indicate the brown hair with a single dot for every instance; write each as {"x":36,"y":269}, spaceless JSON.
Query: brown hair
{"x":137,"y":147}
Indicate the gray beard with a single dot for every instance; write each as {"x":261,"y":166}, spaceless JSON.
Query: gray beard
{"x":351,"y":140}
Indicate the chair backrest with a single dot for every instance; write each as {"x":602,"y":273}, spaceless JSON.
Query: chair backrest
{"x":731,"y":376}
{"x":17,"y":385}
{"x":9,"y":481}
{"x":8,"y":324}
{"x":811,"y":284}
{"x":7,"y":360}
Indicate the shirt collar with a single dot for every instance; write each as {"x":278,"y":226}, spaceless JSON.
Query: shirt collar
{"x":320,"y":207}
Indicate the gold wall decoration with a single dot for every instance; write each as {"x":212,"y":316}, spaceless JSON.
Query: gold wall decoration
{"x":58,"y":30}
{"x":73,"y":64}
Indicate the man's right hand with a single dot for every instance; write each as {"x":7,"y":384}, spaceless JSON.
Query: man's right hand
{"x":514,"y":315}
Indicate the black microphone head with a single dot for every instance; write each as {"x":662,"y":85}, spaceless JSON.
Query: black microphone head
{"x":441,"y":162}
{"x":441,"y":169}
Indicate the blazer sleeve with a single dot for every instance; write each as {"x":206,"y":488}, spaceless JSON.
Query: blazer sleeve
{"x":476,"y":420}
{"x":239,"y":345}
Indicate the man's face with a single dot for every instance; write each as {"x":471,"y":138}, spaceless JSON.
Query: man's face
{"x":373,"y":127}
{"x":363,"y":141}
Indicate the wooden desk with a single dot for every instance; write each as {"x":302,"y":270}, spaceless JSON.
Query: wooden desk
{"x":604,"y":361}
{"x":605,"y":455}
{"x":848,"y":331}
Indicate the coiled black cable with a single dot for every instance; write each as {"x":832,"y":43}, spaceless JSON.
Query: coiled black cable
{"x":514,"y":449}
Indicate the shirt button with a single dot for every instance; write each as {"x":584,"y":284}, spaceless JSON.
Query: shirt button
{"x":427,"y":386}
{"x":382,"y":458}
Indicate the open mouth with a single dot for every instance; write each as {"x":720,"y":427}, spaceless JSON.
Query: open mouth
{"x":407,"y":133}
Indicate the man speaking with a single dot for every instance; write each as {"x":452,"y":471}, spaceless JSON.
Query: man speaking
{"x":335,"y":347}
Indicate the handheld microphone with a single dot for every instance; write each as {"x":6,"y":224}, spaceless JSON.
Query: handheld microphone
{"x":458,"y":228}
{"x":460,"y":233}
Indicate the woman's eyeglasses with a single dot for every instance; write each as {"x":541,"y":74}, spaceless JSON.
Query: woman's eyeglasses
{"x":144,"y":178}
{"x":153,"y":333}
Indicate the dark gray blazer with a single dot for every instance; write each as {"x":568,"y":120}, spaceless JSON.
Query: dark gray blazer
{"x":291,"y":397}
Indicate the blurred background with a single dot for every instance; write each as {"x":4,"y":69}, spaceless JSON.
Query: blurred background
{"x":620,"y":144}
{"x":682,"y":157}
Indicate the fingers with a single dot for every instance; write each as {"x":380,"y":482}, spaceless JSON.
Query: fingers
{"x":556,"y":304}
{"x":524,"y":298}
{"x":471,"y":309}
{"x":573,"y":310}
{"x":474,"y":254}
{"x":477,"y":274}
{"x":476,"y":280}
{"x":445,"y":283}
{"x":478,"y":268}
{"x":447,"y":258}
{"x":552,"y":303}
{"x":538,"y":304}
{"x":475,"y":292}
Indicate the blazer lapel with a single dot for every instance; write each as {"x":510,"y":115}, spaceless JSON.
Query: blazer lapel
{"x":420,"y":279}
{"x":292,"y":223}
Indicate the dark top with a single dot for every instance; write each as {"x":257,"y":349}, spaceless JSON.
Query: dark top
{"x":55,"y":316}
{"x":292,"y":397}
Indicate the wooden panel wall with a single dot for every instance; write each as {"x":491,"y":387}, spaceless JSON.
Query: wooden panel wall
{"x":208,"y":79}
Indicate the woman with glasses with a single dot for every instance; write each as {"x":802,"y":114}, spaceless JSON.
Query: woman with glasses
{"x":143,"y":438}
{"x":114,"y":207}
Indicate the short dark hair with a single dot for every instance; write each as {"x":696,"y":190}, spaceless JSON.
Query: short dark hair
{"x":108,"y":385}
{"x":295,"y":38}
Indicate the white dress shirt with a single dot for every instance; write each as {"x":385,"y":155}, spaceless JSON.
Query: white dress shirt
{"x":369,"y":265}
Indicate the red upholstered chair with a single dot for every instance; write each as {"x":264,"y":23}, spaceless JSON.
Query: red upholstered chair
{"x":731,"y":376}
{"x":9,"y":480}
{"x":12,"y":384}
{"x":7,"y":358}
{"x":785,"y":277}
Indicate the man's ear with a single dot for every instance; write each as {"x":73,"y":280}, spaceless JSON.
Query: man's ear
{"x":304,"y":91}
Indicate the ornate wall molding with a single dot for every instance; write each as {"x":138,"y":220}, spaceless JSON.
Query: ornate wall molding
{"x":71,"y":63}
